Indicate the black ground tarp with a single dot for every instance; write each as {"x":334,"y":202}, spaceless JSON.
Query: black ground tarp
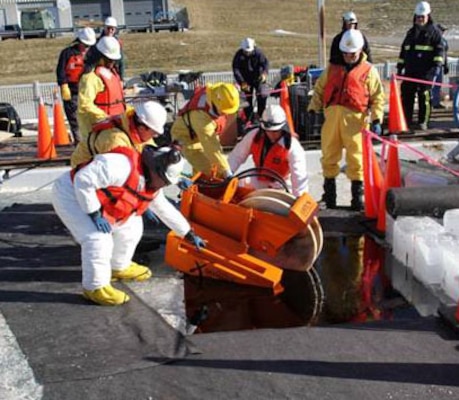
{"x":64,"y":336}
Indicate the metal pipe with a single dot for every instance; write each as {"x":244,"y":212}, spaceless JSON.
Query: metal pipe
{"x":322,"y":44}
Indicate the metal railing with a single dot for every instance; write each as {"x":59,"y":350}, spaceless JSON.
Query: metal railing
{"x":24,"y":98}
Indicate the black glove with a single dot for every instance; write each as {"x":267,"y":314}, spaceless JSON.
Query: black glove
{"x":100,"y":222}
{"x":400,"y":70}
{"x":198,"y":242}
{"x":376,"y":127}
{"x":446,"y":69}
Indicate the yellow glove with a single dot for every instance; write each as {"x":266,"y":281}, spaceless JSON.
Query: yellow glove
{"x":263,"y":78}
{"x":65,"y":92}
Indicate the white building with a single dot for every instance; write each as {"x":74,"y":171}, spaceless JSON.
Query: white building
{"x":74,"y":13}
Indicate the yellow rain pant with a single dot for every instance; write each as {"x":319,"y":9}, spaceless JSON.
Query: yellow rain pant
{"x":341,"y":130}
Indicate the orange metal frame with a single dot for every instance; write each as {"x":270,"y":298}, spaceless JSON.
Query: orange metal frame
{"x":230,"y":231}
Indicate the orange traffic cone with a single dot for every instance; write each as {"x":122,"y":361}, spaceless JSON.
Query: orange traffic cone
{"x":45,"y":145}
{"x":397,"y":120}
{"x":285,"y":104}
{"x":372,"y":178}
{"x":392,"y":178}
{"x":61,"y":135}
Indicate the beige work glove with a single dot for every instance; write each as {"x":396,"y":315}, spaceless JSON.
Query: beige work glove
{"x":245,"y":87}
{"x":65,"y":92}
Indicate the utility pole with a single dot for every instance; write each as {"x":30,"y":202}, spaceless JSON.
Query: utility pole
{"x":322,"y":45}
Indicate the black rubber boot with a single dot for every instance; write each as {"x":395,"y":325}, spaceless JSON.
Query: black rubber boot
{"x":357,"y":195}
{"x":329,"y":197}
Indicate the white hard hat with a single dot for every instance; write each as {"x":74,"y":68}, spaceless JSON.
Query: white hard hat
{"x":165,"y":162}
{"x":273,"y":118}
{"x":110,"y":21}
{"x":350,"y":17}
{"x":152,"y":114}
{"x":87,"y":36}
{"x":109,"y":47}
{"x":351,"y":41}
{"x":248,"y":44}
{"x":422,"y":8}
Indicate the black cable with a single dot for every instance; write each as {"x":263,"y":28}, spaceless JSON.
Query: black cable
{"x":256,"y":171}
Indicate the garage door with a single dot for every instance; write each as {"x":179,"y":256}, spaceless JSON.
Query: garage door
{"x":138,"y":12}
{"x":90,"y":11}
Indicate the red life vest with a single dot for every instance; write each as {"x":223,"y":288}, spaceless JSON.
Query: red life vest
{"x":111,"y":99}
{"x":74,"y":68}
{"x":348,"y":89}
{"x":199,"y":102}
{"x":119,"y":203}
{"x":275,"y":159}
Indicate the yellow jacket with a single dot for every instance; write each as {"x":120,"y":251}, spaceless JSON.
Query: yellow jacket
{"x":203,"y":151}
{"x":88,"y":113}
{"x":105,"y":141}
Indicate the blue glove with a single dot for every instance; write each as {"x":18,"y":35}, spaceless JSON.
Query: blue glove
{"x":198,"y":242}
{"x":376,"y":127}
{"x":184,"y":183}
{"x":150,"y":215}
{"x":100,"y":222}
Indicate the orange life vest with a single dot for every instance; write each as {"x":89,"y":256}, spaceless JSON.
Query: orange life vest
{"x":119,"y":203}
{"x":348,"y":89}
{"x":275,"y":159}
{"x":111,"y":99}
{"x":74,"y":68}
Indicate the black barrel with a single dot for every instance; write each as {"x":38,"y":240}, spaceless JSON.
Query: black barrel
{"x":427,"y":200}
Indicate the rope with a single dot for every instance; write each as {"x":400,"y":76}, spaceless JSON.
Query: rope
{"x":412,"y":149}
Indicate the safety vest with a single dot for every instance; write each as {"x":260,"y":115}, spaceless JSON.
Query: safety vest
{"x":74,"y":68}
{"x":120,"y":202}
{"x":111,"y":99}
{"x":114,"y":121}
{"x":348,"y":89}
{"x":199,"y":102}
{"x":275,"y":159}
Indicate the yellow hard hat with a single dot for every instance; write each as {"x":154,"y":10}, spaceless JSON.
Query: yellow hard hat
{"x":224,"y":96}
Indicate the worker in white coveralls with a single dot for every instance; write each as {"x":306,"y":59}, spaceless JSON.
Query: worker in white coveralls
{"x":273,"y":147}
{"x":102,"y":205}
